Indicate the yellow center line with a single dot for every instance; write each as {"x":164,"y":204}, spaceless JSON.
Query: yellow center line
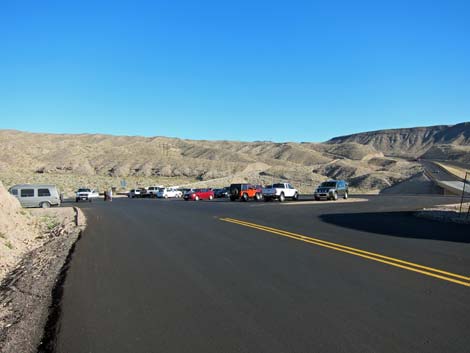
{"x":425,"y":270}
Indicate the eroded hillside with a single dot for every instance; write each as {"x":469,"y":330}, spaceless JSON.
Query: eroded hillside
{"x":370,"y":161}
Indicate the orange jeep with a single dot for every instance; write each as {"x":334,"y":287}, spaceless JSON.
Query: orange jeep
{"x":245,"y":192}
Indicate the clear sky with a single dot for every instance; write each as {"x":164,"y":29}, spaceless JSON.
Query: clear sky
{"x":239,"y":70}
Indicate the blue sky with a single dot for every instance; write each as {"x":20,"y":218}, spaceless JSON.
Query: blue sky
{"x":238,"y":70}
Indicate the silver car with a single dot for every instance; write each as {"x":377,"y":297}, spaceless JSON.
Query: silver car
{"x":36,"y":195}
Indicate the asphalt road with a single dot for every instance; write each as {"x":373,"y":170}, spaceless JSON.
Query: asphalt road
{"x":175,"y":276}
{"x":438,"y":172}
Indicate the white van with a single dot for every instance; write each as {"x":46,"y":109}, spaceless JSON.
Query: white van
{"x":36,"y":195}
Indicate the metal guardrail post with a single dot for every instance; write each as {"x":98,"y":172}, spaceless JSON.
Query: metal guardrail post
{"x":463,"y":194}
{"x":76,"y":220}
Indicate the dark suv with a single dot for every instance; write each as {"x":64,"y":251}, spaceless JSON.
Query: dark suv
{"x":245,"y":192}
{"x":331,"y":190}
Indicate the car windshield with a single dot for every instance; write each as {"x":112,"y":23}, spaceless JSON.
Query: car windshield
{"x":161,"y":189}
{"x":84,"y":190}
{"x":278,"y":185}
{"x":328,"y":184}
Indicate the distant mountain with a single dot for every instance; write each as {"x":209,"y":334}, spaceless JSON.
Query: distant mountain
{"x":410,"y":142}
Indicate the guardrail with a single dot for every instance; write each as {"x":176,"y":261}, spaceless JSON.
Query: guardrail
{"x":464,"y":197}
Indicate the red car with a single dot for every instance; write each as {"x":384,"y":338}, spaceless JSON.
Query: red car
{"x":199,"y":194}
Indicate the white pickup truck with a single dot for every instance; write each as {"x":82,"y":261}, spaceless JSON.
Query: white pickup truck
{"x":280,"y":191}
{"x":86,"y":194}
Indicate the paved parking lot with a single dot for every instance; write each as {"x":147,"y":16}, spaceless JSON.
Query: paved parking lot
{"x":176,"y":276}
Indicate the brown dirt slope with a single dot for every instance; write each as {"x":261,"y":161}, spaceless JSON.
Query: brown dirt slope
{"x":18,"y":231}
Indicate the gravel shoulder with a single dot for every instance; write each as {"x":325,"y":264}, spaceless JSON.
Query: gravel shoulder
{"x":26,"y":292}
{"x":447,"y":213}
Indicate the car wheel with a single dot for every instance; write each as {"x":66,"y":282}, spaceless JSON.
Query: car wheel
{"x":45,"y":204}
{"x":232,"y":198}
{"x":345,"y":195}
{"x":211,"y":197}
{"x":335,"y":196}
{"x":282,"y":198}
{"x":296,"y":197}
{"x":245,"y":197}
{"x":76,"y":200}
{"x":196,"y":198}
{"x":258,"y":196}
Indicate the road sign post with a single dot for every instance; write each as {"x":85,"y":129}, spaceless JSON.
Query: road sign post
{"x":463,"y":195}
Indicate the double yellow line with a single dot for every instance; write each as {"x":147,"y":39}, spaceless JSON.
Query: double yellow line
{"x":410,"y":266}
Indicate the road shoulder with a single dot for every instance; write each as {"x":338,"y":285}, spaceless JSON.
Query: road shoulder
{"x":26,"y":293}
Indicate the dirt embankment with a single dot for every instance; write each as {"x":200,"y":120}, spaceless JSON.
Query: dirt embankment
{"x":447,"y":213}
{"x":34,"y":246}
{"x":20,"y":232}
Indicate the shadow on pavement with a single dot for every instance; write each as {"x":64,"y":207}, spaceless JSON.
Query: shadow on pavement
{"x":400,"y":224}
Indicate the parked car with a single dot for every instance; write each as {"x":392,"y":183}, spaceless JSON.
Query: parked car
{"x":86,"y":194}
{"x":245,"y":192}
{"x":169,"y":192}
{"x":331,"y":190}
{"x":187,"y":191}
{"x":199,"y":194}
{"x":36,"y":195}
{"x":152,"y":190}
{"x":280,"y":191}
{"x":220,"y":193}
{"x":133,"y":193}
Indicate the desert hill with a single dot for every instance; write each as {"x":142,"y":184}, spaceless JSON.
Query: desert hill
{"x":369,"y":161}
{"x":412,"y":142}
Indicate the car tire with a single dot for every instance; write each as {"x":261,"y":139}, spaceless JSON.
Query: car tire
{"x":258,"y":197}
{"x":245,"y":197}
{"x":296,"y":197}
{"x":196,"y":198}
{"x":335,"y":196}
{"x":232,"y":198}
{"x":45,"y":204}
{"x":282,"y":198}
{"x":211,"y":197}
{"x":345,"y":195}
{"x":76,"y":200}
